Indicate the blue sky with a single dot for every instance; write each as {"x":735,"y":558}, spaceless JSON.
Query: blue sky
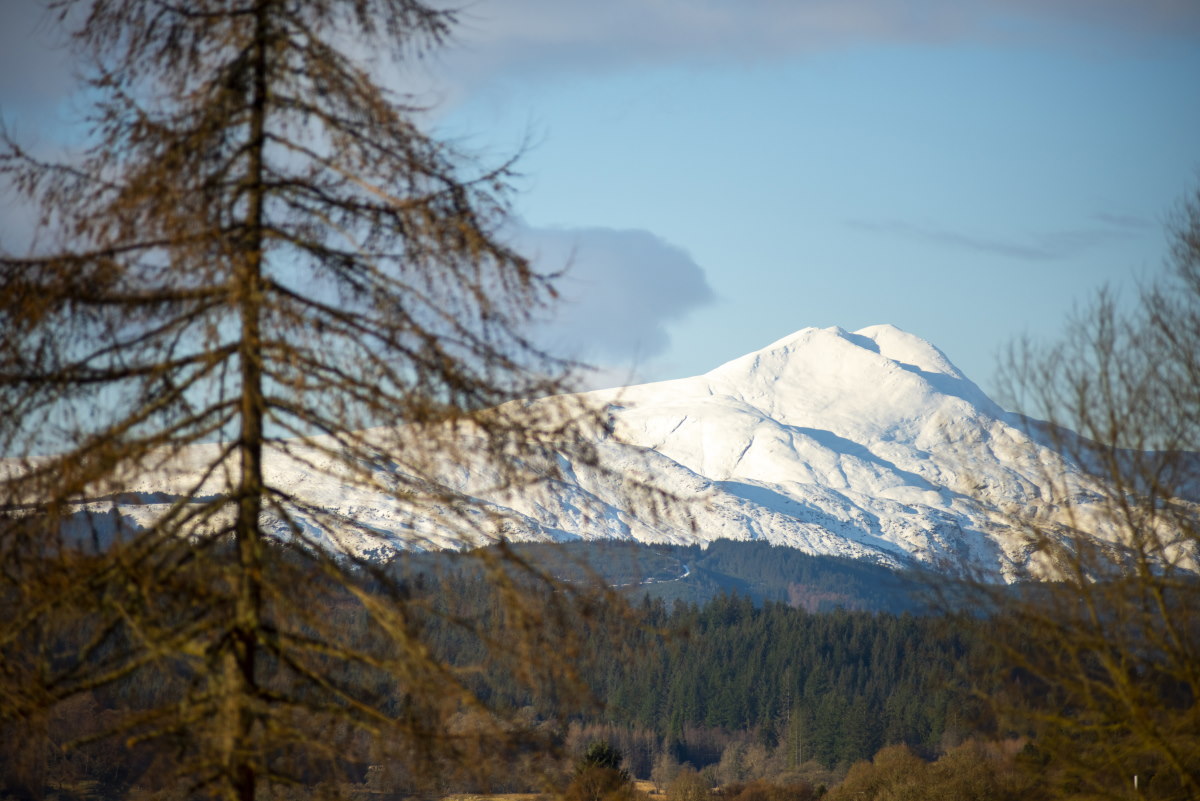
{"x":718,"y":174}
{"x":969,"y":171}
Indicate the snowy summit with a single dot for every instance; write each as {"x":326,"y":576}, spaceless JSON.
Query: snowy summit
{"x":869,"y":445}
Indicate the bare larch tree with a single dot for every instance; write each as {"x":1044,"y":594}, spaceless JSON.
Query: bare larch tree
{"x":259,"y":259}
{"x":1102,"y":655}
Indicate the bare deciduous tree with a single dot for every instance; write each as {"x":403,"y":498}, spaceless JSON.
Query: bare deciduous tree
{"x":260,"y":262}
{"x":1105,"y":654}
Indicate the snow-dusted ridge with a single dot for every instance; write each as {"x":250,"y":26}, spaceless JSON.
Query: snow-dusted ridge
{"x":866,"y":444}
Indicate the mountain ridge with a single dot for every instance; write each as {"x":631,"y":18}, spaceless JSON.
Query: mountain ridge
{"x":868,"y":444}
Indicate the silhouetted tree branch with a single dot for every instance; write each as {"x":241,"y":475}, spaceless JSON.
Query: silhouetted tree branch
{"x":1103,"y":653}
{"x":262,"y":264}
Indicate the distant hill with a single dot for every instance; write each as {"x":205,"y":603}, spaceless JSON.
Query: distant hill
{"x":693,"y":574}
{"x":866,"y":445}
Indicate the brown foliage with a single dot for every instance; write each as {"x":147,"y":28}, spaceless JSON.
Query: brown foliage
{"x":597,"y":783}
{"x":760,"y":790}
{"x":688,"y":785}
{"x":262,"y":260}
{"x":1103,"y":656}
{"x":970,"y":772}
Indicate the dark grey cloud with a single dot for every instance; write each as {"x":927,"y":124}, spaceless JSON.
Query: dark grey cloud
{"x":619,"y":290}
{"x":528,"y":39}
{"x":545,"y":37}
{"x":1133,"y":18}
{"x":1044,"y":246}
{"x":35,"y":59}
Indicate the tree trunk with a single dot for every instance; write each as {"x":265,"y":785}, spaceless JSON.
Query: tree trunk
{"x":249,"y":293}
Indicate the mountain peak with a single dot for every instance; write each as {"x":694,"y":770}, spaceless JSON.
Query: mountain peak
{"x":874,"y":379}
{"x":885,"y":341}
{"x":905,"y":349}
{"x":868,"y":444}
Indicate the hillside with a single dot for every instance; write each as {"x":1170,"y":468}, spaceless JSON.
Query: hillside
{"x":756,"y":571}
{"x":868,"y":445}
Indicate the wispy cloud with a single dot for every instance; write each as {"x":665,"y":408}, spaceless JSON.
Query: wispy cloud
{"x":537,"y":38}
{"x":1044,"y":246}
{"x":1128,"y":222}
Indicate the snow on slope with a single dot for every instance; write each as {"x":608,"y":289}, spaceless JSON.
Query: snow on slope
{"x":872,"y":436}
{"x":868,"y":444}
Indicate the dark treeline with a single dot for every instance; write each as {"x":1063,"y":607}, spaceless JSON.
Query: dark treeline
{"x":740,"y":689}
{"x":833,"y":687}
{"x":756,"y":570}
{"x":686,"y":680}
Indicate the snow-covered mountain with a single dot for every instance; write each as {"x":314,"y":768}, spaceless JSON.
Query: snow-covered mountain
{"x":868,"y":444}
